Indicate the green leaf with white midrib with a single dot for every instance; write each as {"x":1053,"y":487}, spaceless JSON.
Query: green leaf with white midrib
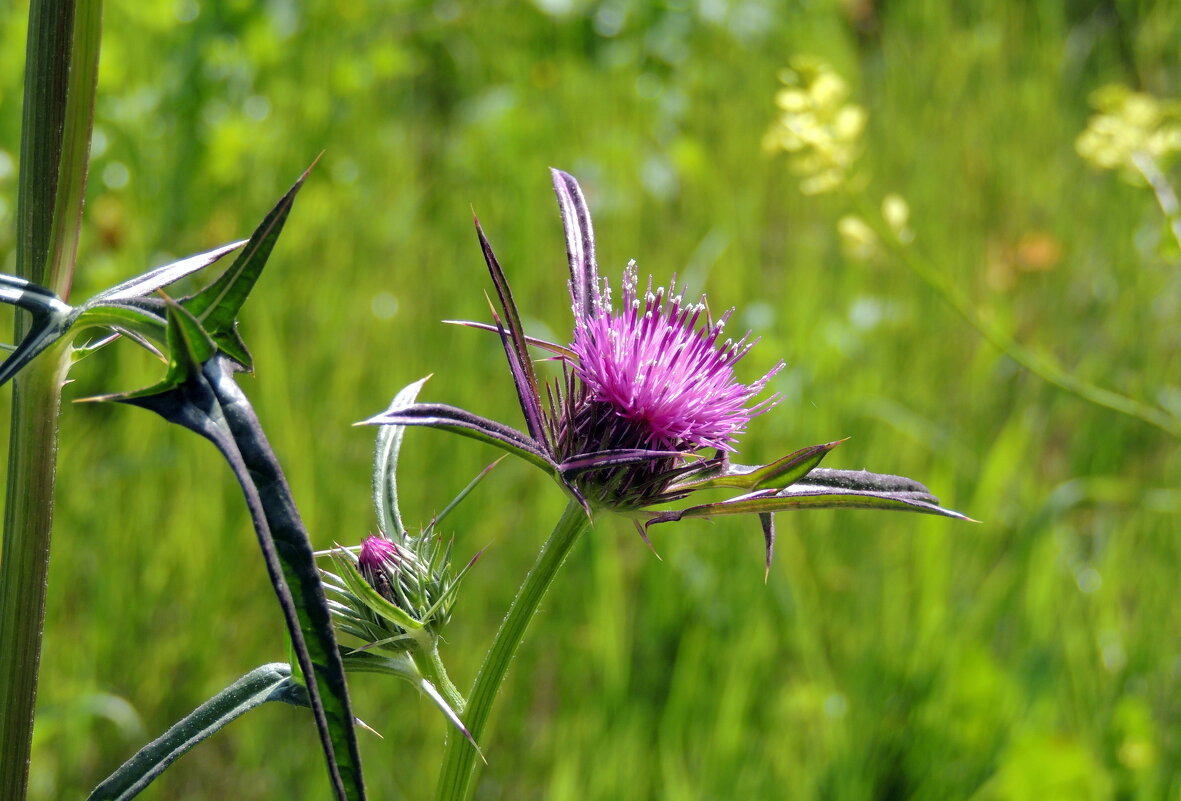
{"x":200,"y":394}
{"x":270,"y":682}
{"x":385,"y":466}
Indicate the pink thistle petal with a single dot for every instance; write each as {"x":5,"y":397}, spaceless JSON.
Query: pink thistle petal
{"x":662,"y":374}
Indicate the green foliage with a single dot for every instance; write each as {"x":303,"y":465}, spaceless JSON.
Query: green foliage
{"x":890,"y":656}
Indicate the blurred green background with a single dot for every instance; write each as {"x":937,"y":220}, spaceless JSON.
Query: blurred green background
{"x":1034,"y":656}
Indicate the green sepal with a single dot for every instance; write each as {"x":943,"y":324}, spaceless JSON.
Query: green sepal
{"x":463,"y":493}
{"x":271,"y":682}
{"x":359,"y":587}
{"x":218,"y":304}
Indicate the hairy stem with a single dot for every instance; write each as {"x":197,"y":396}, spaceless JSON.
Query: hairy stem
{"x":458,"y":774}
{"x":430,"y":665}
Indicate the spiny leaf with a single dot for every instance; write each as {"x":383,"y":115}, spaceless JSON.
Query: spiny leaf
{"x":217,"y":305}
{"x":52,"y":317}
{"x":210,"y":403}
{"x":189,"y":347}
{"x":804,"y":496}
{"x":780,"y":473}
{"x":161,"y":277}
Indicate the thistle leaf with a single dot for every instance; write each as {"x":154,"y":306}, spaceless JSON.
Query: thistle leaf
{"x":161,"y":277}
{"x":218,"y":304}
{"x":52,"y":317}
{"x":210,"y":403}
{"x":385,"y":465}
{"x":806,"y":496}
{"x":271,"y":682}
{"x":459,"y":421}
{"x":778,"y":474}
{"x":189,"y":347}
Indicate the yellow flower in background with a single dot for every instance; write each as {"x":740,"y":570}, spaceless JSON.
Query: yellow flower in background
{"x":816,"y":126}
{"x":1129,"y":125}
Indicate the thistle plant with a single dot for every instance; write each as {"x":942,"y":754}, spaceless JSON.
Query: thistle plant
{"x":646,"y":412}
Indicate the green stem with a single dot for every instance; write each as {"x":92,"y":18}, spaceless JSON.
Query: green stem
{"x":457,"y":776}
{"x":27,"y":520}
{"x":61,"y":72}
{"x":430,"y":665}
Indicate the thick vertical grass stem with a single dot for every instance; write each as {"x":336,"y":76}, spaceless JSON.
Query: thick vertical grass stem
{"x":458,"y":773}
{"x":61,"y":76}
{"x":27,"y":518}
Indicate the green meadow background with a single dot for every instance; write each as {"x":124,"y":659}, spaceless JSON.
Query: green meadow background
{"x":1036,"y":655}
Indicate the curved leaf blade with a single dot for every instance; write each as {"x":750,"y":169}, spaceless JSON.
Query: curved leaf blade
{"x":805,"y":496}
{"x":52,"y":318}
{"x":270,"y":682}
{"x":160,"y":277}
{"x":385,"y":464}
{"x":776,"y":475}
{"x":459,"y":421}
{"x":211,"y":404}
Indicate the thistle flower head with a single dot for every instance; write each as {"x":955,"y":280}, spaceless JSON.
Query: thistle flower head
{"x":384,"y":565}
{"x":654,"y":376}
{"x":393,"y":596}
{"x":669,"y":380}
{"x":645,"y":389}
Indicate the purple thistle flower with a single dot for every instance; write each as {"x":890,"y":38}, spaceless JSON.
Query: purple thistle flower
{"x":644,"y":392}
{"x":671,"y":382}
{"x":378,"y":559}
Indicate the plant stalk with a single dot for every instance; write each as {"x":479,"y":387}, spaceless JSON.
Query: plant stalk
{"x":430,"y":665}
{"x":61,"y":76}
{"x":458,"y":773}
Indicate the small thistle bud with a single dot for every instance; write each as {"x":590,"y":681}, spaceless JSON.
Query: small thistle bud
{"x":414,"y":581}
{"x":379,"y":559}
